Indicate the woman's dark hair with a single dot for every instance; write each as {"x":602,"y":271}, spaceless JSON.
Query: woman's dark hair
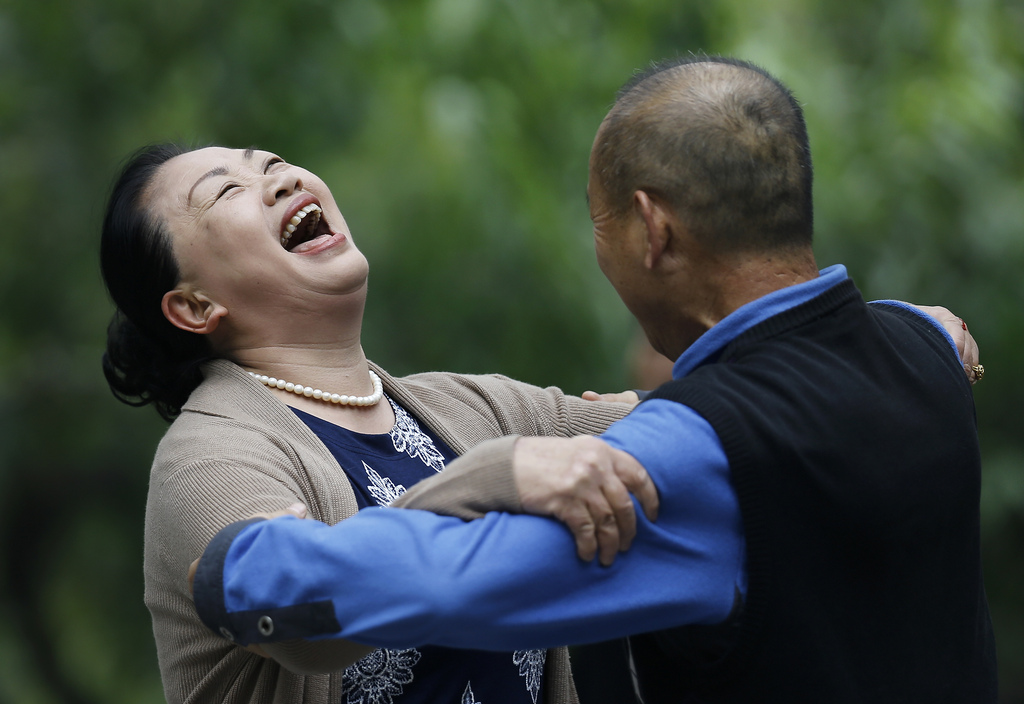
{"x":148,"y":360}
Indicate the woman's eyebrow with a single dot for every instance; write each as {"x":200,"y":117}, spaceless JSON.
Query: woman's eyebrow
{"x":218,"y":171}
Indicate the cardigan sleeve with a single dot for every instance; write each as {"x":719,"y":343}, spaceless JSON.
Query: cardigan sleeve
{"x":481,"y":480}
{"x":475,"y":483}
{"x":208,"y":473}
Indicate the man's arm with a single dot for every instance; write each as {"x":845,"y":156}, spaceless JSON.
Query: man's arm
{"x":470,"y":490}
{"x":394,"y":578}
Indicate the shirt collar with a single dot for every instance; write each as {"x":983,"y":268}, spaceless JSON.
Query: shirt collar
{"x":753,"y":313}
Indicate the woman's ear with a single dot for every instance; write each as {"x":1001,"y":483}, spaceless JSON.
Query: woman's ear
{"x":192,"y":311}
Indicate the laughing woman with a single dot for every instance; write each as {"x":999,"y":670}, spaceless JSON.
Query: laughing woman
{"x":239,"y":295}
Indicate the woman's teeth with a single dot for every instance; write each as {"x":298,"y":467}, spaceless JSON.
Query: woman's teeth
{"x":293,"y":224}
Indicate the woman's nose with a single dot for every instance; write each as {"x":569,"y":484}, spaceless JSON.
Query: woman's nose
{"x":282,"y":184}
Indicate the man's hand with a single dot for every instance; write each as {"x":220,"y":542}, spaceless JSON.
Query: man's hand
{"x":965,"y":343}
{"x":629,"y":397}
{"x":586,"y":484}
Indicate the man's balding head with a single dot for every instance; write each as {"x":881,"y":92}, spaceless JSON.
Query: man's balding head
{"x":720,"y":141}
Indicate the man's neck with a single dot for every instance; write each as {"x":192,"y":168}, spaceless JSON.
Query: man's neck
{"x":750,"y":278}
{"x":717,"y":287}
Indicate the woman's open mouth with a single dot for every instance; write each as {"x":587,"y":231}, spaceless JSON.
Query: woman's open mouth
{"x":305,"y":226}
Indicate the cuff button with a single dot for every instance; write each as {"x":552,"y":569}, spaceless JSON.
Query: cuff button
{"x":265,"y":626}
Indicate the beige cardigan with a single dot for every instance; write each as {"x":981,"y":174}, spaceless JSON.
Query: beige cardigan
{"x":237,"y":450}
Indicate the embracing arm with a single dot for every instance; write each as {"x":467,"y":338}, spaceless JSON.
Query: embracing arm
{"x":955,"y":329}
{"x":965,"y":344}
{"x":202,"y":482}
{"x":592,"y":500}
{"x":405,"y":578}
{"x":481,"y":479}
{"x":523,"y":408}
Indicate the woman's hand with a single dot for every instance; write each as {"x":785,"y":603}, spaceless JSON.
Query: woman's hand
{"x":970,"y":356}
{"x":298,"y":511}
{"x":629,"y":397}
{"x":586,"y":484}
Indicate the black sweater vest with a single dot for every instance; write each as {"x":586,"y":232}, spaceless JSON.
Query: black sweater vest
{"x":852,"y":446}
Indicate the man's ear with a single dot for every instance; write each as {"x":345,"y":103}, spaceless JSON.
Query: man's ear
{"x":658,"y":224}
{"x":192,"y":311}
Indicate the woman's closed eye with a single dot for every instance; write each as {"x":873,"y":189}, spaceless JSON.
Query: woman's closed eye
{"x":270,"y":164}
{"x":227,"y":187}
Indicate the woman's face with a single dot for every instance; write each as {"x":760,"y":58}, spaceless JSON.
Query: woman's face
{"x":255,"y":234}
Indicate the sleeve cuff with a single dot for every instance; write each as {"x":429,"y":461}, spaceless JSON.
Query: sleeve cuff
{"x":257,"y":625}
{"x":208,"y":585}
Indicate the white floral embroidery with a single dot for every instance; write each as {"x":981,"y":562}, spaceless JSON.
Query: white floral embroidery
{"x":531,"y":666}
{"x":382,"y":488}
{"x":409,"y":438}
{"x":378,"y":678}
{"x":468,"y":697}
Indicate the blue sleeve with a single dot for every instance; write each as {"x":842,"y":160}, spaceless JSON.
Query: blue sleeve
{"x":404,"y":578}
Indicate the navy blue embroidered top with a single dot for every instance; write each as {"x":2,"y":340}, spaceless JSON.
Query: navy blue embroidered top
{"x":380,"y":468}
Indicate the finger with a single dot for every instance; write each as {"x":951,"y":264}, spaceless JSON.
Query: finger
{"x":954,"y":326}
{"x":607,"y":540}
{"x":971,"y":355}
{"x":637,"y":481}
{"x":607,"y":530}
{"x":579,"y":522}
{"x":621,"y":507}
{"x":958,"y":329}
{"x":192,"y":575}
{"x":629,"y":397}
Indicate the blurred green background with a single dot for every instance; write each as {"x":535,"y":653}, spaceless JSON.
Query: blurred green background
{"x":455,"y":136}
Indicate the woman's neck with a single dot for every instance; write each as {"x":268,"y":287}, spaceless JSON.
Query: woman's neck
{"x":325,"y":355}
{"x":334,"y":371}
{"x":341,"y":370}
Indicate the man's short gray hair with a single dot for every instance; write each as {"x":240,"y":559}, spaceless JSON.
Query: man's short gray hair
{"x":719,"y":140}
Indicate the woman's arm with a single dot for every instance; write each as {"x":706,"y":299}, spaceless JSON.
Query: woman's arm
{"x":209,"y":473}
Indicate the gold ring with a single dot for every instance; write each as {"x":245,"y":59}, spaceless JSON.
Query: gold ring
{"x":979,"y":372}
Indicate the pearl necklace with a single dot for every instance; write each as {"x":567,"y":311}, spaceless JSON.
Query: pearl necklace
{"x":310,"y":392}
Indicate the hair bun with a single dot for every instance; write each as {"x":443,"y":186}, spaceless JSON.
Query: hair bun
{"x":142,"y":371}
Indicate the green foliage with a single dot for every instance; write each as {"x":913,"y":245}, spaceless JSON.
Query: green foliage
{"x":455,"y":135}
